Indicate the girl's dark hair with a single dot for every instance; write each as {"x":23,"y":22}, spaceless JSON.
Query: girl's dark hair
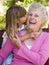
{"x":12,"y":14}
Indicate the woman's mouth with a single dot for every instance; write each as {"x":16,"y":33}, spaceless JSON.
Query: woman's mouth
{"x":32,"y":23}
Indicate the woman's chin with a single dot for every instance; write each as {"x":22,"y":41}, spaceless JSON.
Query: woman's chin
{"x":30,"y":29}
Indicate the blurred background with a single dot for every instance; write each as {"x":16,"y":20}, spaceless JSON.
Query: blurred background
{"x":5,"y":4}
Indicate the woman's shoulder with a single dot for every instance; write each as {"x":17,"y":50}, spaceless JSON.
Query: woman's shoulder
{"x":46,"y":34}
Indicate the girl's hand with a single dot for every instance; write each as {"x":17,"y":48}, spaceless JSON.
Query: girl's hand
{"x":33,"y":35}
{"x":15,"y":40}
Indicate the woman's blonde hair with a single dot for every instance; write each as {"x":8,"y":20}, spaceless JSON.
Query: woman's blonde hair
{"x":12,"y":15}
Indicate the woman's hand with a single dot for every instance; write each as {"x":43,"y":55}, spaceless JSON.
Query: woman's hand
{"x":15,"y":40}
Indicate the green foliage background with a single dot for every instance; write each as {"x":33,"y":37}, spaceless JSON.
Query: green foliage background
{"x":24,"y":3}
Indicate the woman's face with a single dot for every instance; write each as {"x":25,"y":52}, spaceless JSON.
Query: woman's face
{"x":34,"y":20}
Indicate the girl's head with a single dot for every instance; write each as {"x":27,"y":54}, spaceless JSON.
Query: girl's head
{"x":37,"y":16}
{"x":15,"y":16}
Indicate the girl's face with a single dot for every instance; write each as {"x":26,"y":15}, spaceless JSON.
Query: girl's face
{"x":22,"y":20}
{"x":34,"y":20}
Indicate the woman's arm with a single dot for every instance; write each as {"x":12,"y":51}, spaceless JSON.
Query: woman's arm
{"x":37,"y":58}
{"x":5,"y":50}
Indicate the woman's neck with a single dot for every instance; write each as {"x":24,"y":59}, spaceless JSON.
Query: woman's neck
{"x":38,"y":32}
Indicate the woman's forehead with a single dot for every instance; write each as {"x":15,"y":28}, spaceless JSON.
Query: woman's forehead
{"x":37,"y":11}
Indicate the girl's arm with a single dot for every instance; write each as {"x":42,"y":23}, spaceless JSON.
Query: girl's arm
{"x":28,"y":36}
{"x":5,"y":50}
{"x":24,"y":37}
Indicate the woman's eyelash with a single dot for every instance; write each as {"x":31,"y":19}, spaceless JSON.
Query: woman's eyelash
{"x":36,"y":16}
{"x":30,"y":14}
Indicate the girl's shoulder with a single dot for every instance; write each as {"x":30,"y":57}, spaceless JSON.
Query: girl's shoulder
{"x":4,"y":35}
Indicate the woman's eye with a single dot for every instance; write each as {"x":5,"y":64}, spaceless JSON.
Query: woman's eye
{"x":30,"y":14}
{"x":36,"y":15}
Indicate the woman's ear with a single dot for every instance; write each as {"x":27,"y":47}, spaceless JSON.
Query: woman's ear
{"x":43,"y":22}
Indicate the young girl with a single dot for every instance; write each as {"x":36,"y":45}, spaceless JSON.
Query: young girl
{"x":12,"y":14}
{"x":15,"y":21}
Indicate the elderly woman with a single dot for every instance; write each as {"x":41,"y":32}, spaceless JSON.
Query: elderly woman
{"x":35,"y":49}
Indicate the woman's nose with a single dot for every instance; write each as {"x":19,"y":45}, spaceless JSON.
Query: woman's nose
{"x":32,"y":17}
